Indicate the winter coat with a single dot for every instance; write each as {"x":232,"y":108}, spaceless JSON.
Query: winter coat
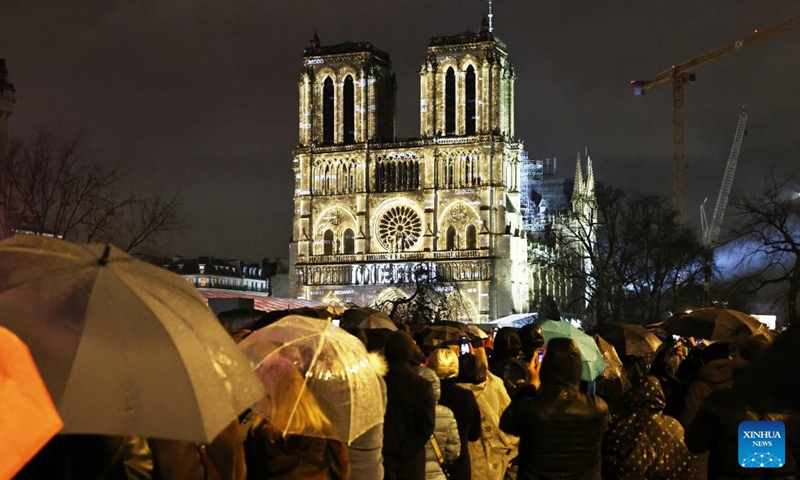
{"x":643,"y":443}
{"x":463,"y":404}
{"x":366,"y":460}
{"x":446,"y":431}
{"x":181,"y":460}
{"x":96,"y":457}
{"x":560,"y":429}
{"x":271,"y":456}
{"x":713,"y":376}
{"x":715,"y":430}
{"x":410,"y":414}
{"x":493,"y":451}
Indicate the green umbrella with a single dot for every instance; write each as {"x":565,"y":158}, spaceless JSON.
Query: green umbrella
{"x":591,"y":358}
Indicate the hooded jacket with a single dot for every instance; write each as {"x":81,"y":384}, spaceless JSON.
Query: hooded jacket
{"x":463,"y":404}
{"x":446,"y":431}
{"x":494,"y":450}
{"x":410,"y":414}
{"x":644,"y":443}
{"x":560,"y":429}
{"x":366,"y":460}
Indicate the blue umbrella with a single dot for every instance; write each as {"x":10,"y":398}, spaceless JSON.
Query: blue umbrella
{"x":591,"y":358}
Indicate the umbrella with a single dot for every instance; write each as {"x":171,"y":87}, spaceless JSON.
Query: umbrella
{"x":713,"y":323}
{"x":28,"y":418}
{"x":614,"y":369}
{"x":125,"y":347}
{"x":320,"y":313}
{"x":368,"y":318}
{"x":592,"y":359}
{"x":477,"y":331}
{"x":306,"y":366}
{"x":436,"y":334}
{"x":239,"y":318}
{"x":631,"y":339}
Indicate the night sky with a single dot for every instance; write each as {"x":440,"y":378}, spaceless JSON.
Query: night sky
{"x":201,"y":95}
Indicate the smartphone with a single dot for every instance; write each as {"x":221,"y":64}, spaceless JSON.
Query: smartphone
{"x":463,"y":345}
{"x":541,"y":355}
{"x":336,"y":322}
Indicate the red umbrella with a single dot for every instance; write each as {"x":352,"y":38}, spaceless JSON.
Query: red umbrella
{"x":28,"y":417}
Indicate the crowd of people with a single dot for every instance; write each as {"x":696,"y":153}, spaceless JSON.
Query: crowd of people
{"x":514,"y":408}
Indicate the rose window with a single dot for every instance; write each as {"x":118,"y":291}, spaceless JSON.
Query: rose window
{"x":399,"y":229}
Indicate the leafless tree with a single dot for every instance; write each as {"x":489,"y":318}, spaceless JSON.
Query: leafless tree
{"x":48,"y":186}
{"x":429,"y":296}
{"x":766,"y":232}
{"x":627,"y":255}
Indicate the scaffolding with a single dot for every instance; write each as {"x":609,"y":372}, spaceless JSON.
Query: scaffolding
{"x":534,"y":207}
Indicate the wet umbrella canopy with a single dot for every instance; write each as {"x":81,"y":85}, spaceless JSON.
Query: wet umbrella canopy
{"x":721,"y":324}
{"x":309,"y":366}
{"x":124,"y":347}
{"x":591,"y":358}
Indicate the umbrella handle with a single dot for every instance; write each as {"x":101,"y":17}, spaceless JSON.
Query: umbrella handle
{"x":208,"y":464}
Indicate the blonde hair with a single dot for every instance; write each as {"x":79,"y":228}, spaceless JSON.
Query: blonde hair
{"x":289,"y":406}
{"x":444,"y":362}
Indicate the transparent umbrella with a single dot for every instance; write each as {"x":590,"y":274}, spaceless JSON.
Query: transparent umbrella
{"x":318,"y":379}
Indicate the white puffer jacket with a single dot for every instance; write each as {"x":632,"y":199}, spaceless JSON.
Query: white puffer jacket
{"x":445,"y":430}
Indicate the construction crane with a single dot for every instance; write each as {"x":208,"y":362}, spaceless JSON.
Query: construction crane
{"x":711,"y":232}
{"x":680,"y":75}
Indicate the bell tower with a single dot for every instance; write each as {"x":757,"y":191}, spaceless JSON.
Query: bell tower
{"x":347,"y":95}
{"x":467,"y":86}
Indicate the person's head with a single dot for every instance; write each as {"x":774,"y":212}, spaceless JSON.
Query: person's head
{"x":562,"y":363}
{"x":444,"y":362}
{"x":288,"y":405}
{"x":753,"y":348}
{"x":359,"y":333}
{"x":531,"y":339}
{"x":507,"y":343}
{"x":400,"y":347}
{"x":428,"y":374}
{"x":471,"y":369}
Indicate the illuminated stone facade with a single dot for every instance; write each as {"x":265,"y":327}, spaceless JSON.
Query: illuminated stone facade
{"x":369,"y":207}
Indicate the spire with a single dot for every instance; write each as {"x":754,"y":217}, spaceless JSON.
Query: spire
{"x":491,"y":26}
{"x":484,"y":25}
{"x":577,"y":190}
{"x":315,"y":40}
{"x":589,"y":176}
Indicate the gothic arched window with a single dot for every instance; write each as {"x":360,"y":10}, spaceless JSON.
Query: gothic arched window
{"x":349,"y":241}
{"x":327,"y":242}
{"x":349,"y":114}
{"x":469,"y":110}
{"x":327,"y":111}
{"x":472,"y":241}
{"x":451,"y":238}
{"x":450,"y":102}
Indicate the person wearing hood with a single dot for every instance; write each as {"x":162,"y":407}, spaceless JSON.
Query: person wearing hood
{"x":366,"y":460}
{"x":446,"y":431}
{"x":507,"y":360}
{"x":716,"y":373}
{"x":492,"y":453}
{"x":643,"y":442}
{"x":560,"y":429}
{"x":444,"y":362}
{"x":410,"y":410}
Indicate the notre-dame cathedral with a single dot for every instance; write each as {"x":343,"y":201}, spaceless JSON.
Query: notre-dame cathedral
{"x":370,"y":208}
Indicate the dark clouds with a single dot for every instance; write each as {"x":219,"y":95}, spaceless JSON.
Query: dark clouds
{"x":201,"y":95}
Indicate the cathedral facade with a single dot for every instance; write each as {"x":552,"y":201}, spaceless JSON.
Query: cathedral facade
{"x":370,"y":209}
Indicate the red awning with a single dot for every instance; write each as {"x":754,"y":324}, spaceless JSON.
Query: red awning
{"x":263,"y":303}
